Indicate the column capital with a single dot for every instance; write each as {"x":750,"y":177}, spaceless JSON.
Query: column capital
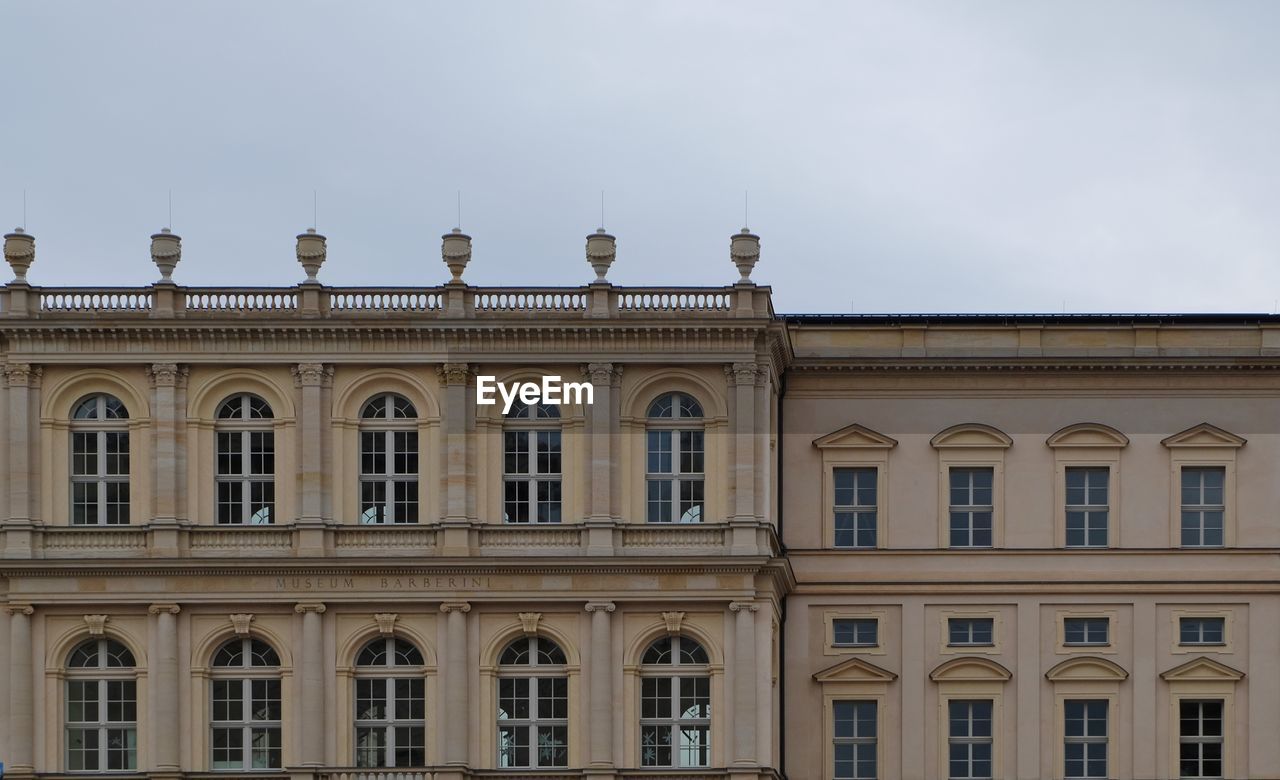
{"x":311,"y":374}
{"x":742,"y":373}
{"x":21,"y":374}
{"x":309,"y":606}
{"x":743,"y":606}
{"x":167,"y":375}
{"x":455,"y":606}
{"x":602,"y":373}
{"x":156,"y":609}
{"x":454,"y":373}
{"x":18,"y":609}
{"x":601,"y":606}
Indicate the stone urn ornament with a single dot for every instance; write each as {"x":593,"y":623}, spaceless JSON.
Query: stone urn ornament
{"x":455,"y":247}
{"x":311,"y":254}
{"x":19,"y":253}
{"x":602,"y":250}
{"x":166,"y":251}
{"x":744,"y":251}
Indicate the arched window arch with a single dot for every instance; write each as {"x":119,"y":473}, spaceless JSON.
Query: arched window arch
{"x":533,"y":705}
{"x":388,"y":460}
{"x":100,"y":461}
{"x":245,"y":702}
{"x":390,"y":715}
{"x":674,"y":454}
{"x":246,"y":461}
{"x":675,"y":704}
{"x":531,"y":464}
{"x":102,"y":708}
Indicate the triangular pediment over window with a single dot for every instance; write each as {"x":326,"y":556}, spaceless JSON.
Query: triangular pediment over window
{"x":1088,"y":435}
{"x":1204,"y":435}
{"x":970,"y":669}
{"x":855,"y":670}
{"x":855,"y":437}
{"x":972,"y":435}
{"x":1202,"y":670}
{"x":1086,"y":670}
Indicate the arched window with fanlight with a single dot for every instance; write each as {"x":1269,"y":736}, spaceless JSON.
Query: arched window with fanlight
{"x":388,"y":460}
{"x":245,"y":701}
{"x":533,"y":705}
{"x":675,"y":704}
{"x":102,"y":708}
{"x":391,"y":705}
{"x":531,"y":464}
{"x":246,"y":462}
{"x":100,"y":461}
{"x":674,"y":455}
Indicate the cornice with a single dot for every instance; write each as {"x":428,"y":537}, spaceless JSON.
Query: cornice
{"x":1118,"y":364}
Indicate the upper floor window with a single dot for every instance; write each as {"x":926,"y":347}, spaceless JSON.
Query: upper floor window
{"x":246,"y":461}
{"x":1087,"y":507}
{"x":102,"y":708}
{"x":388,"y":460}
{"x":390,"y":717}
{"x":1202,"y":631}
{"x":245,"y":701}
{"x":531,"y":464}
{"x":100,"y":461}
{"x":971,"y":632}
{"x":855,"y":507}
{"x":971,"y":506}
{"x":855,"y":740}
{"x":675,"y":704}
{"x":855,"y":632}
{"x":1082,"y":631}
{"x":674,"y":455}
{"x":1202,"y":506}
{"x":533,"y":705}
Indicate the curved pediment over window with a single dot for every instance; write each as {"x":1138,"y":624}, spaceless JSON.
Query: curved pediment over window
{"x":1088,"y":435}
{"x":1204,"y":435}
{"x":855,"y":436}
{"x":855,"y":670}
{"x":1088,"y":669}
{"x":972,"y":435}
{"x":970,"y":669}
{"x":1202,"y":669}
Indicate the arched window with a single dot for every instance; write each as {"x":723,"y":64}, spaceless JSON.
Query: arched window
{"x":246,"y":461}
{"x":100,"y":461}
{"x":674,"y":460}
{"x":533,"y":705}
{"x":388,"y":460}
{"x":675,"y":704}
{"x":102,"y":708}
{"x":531,"y":464}
{"x":390,"y":705}
{"x":245,"y":699}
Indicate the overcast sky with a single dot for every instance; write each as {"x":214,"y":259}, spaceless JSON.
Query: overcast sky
{"x":900,"y":156}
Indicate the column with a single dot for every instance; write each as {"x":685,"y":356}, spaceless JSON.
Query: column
{"x":454,"y":376}
{"x":20,"y":377}
{"x":600,"y":466}
{"x":21,"y":704}
{"x":742,"y":510}
{"x":164,"y":681}
{"x":601,"y":707}
{"x":744,"y":683}
{"x":308,"y":378}
{"x":311,"y":685}
{"x":455,"y":682}
{"x":164,"y":392}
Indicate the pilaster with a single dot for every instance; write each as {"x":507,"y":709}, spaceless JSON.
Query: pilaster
{"x":21,"y":692}
{"x":166,"y":711}
{"x":744,"y":683}
{"x":601,"y":682}
{"x":456,"y":737}
{"x":311,"y":685}
{"x":309,"y":378}
{"x":455,"y":377}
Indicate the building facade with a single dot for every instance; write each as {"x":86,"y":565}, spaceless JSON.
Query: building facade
{"x":271,"y":532}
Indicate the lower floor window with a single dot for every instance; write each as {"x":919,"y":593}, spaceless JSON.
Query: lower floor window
{"x":390,"y":722}
{"x":533,"y":722}
{"x":102,"y":732}
{"x":855,"y":740}
{"x":1085,"y":733}
{"x":970,"y":740}
{"x":1200,"y":738}
{"x":675,"y":721}
{"x":246,"y":724}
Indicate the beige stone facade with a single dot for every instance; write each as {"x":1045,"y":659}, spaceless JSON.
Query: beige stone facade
{"x":271,"y":532}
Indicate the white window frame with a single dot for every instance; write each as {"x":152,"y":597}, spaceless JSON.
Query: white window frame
{"x":970,"y":509}
{"x":679,"y":674}
{"x":101,"y":677}
{"x":675,"y":426}
{"x":533,"y":422}
{"x":105,"y":418}
{"x":860,"y":512}
{"x":1200,"y":739}
{"x":1202,"y":508}
{"x":244,"y":426}
{"x":858,"y":741}
{"x":534,"y":671}
{"x":1086,"y":739}
{"x":389,"y":673}
{"x":969,"y":738}
{"x":1089,"y":510}
{"x":389,"y":429}
{"x":246,"y":674}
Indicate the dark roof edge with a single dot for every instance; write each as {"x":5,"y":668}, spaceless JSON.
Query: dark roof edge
{"x":1234,"y":318}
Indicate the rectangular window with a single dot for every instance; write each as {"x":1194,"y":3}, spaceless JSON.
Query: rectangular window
{"x":1085,"y":738}
{"x":970,"y":740}
{"x":971,"y":507}
{"x":1200,"y":738}
{"x":674,"y":463}
{"x":855,"y":632}
{"x":855,"y":507}
{"x":971,"y":632}
{"x":1086,"y":631}
{"x":531,"y":489}
{"x":855,"y":740}
{"x":1087,"y":506}
{"x":1202,"y":631}
{"x":1203,"y":506}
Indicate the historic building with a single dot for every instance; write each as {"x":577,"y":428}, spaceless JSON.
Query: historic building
{"x":271,"y":532}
